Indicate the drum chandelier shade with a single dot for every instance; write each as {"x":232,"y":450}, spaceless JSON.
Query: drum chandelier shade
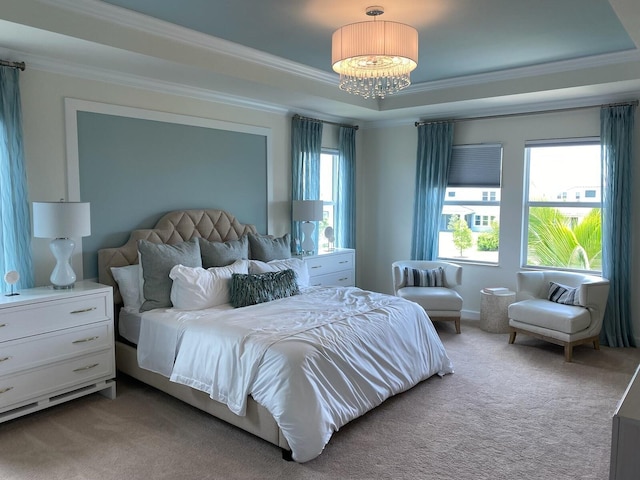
{"x":375,"y":58}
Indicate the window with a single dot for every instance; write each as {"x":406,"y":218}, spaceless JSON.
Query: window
{"x":469,"y":227}
{"x":561,"y":232}
{"x":328,"y":184}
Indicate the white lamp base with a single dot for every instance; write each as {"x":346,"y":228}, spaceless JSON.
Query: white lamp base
{"x":308,"y":246}
{"x":63,"y":276}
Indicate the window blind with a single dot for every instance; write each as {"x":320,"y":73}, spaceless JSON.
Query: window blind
{"x":475,"y":166}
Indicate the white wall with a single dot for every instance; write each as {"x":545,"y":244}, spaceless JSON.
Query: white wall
{"x":43,"y":96}
{"x":387,"y":163}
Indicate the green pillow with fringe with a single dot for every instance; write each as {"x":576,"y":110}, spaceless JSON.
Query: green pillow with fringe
{"x":254,"y":288}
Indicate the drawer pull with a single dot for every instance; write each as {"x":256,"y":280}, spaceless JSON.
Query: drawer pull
{"x":342,"y":279}
{"x":317,"y":266}
{"x":4,"y":390}
{"x":4,"y":359}
{"x":88,"y":339}
{"x":84,"y":310}
{"x":343,"y":261}
{"x":88,"y":367}
{"x":3,"y":325}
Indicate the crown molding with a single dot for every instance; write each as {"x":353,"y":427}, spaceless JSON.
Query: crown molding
{"x":144,"y":23}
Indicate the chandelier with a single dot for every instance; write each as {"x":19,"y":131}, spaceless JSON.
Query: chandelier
{"x":375,"y":58}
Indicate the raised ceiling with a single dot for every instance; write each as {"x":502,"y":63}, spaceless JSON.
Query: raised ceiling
{"x":475,"y":57}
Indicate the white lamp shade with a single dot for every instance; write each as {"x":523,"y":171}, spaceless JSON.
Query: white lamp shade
{"x":61,"y":219}
{"x":307,"y":210}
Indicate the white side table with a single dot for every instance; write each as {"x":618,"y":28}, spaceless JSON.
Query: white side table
{"x":494,"y":317}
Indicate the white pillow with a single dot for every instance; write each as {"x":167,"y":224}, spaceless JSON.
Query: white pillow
{"x":298,"y":265}
{"x":128,"y":280}
{"x":195,"y":288}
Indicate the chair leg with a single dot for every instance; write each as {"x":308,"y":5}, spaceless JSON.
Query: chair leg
{"x":596,"y":344}
{"x":457,"y":322}
{"x":512,"y":337}
{"x":568,"y":352}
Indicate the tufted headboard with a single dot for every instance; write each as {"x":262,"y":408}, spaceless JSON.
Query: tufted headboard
{"x":174,"y":227}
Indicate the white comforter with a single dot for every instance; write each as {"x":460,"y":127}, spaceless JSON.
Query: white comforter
{"x":315,"y":361}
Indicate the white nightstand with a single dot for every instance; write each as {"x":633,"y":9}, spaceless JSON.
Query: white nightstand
{"x":55,"y":346}
{"x":337,"y":267}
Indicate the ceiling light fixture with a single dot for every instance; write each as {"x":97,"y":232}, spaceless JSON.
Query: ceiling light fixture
{"x":375,"y":58}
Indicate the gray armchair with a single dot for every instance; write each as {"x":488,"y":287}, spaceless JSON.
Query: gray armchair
{"x":567,"y":325}
{"x":440,"y":303}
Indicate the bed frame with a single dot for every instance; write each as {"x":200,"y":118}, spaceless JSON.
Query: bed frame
{"x":176,"y":227}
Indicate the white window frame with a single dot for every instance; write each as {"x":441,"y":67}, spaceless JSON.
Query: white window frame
{"x":558,"y":203}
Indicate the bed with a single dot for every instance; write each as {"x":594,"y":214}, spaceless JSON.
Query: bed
{"x":291,"y":370}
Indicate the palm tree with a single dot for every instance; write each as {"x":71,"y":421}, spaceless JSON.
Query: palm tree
{"x":554,"y":240}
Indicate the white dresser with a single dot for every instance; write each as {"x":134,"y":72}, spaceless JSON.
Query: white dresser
{"x":55,"y":345}
{"x":625,"y":434}
{"x":332,"y":268}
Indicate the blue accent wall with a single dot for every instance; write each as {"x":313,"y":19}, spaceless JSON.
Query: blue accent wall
{"x":134,"y":170}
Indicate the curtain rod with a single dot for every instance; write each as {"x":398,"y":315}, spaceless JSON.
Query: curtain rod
{"x":355,"y":127}
{"x":18,"y":65}
{"x":506,"y":115}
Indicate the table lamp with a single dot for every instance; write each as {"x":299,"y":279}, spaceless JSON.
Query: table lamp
{"x":61,"y":221}
{"x":307,"y":212}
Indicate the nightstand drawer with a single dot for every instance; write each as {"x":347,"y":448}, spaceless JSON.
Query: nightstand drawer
{"x":40,"y":382}
{"x":324,"y":264}
{"x":18,"y":322}
{"x":340,"y":279}
{"x":31,"y":352}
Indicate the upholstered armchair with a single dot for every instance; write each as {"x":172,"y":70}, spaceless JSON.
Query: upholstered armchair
{"x":573,"y":316}
{"x":440,"y":302}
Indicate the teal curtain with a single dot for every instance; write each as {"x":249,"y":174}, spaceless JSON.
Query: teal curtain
{"x":306,"y":148}
{"x":616,"y":138}
{"x":15,"y":230}
{"x":435,"y":142}
{"x":345,"y":222}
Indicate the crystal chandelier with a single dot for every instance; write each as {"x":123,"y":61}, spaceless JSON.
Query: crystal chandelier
{"x":374,"y":59}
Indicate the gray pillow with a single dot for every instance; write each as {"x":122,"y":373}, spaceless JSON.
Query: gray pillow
{"x":157,"y":260}
{"x":262,"y":287}
{"x":266,"y":248}
{"x":221,"y":254}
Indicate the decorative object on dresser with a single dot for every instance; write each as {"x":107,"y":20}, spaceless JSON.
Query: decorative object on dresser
{"x":336,"y":268}
{"x":307,"y":212}
{"x":11,"y":278}
{"x":61,"y":221}
{"x":55,"y":346}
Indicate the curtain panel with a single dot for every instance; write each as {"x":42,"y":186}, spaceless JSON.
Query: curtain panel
{"x":435,"y":143}
{"x":346,"y":202}
{"x":616,"y":138}
{"x":15,"y":218}
{"x":306,"y":148}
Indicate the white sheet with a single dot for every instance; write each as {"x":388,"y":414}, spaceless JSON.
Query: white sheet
{"x":316,"y":361}
{"x":129,"y":324}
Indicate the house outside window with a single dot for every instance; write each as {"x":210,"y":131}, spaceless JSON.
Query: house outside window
{"x":563,"y":205}
{"x":469,"y":229}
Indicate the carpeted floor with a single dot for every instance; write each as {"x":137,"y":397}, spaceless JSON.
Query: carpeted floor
{"x":509,"y":412}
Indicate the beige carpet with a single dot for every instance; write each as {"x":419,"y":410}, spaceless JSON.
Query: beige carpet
{"x":509,"y":412}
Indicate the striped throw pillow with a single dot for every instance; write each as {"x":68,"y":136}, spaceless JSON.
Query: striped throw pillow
{"x":433,"y":277}
{"x":563,"y":294}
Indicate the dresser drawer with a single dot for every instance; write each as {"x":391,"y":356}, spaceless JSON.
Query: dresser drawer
{"x":31,"y":352}
{"x":339,"y":279}
{"x":36,"y":318}
{"x":58,"y":377}
{"x":325,"y":264}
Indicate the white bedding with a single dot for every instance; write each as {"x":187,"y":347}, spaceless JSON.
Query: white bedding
{"x":316,"y":361}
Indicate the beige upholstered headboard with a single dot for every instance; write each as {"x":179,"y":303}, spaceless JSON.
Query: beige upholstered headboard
{"x":174,"y":227}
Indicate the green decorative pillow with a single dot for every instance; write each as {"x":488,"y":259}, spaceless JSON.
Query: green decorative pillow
{"x":221,"y":254}
{"x":157,"y":260}
{"x":266,"y":248}
{"x":262,"y":287}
